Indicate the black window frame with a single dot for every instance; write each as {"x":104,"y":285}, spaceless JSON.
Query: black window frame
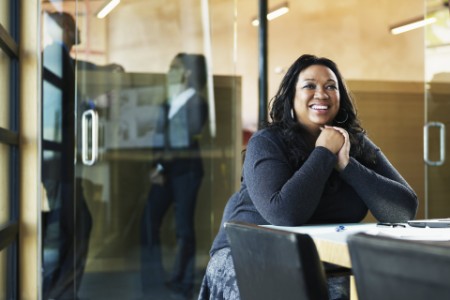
{"x":9,"y":232}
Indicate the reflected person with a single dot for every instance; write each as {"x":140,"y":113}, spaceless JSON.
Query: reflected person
{"x":176,"y":176}
{"x":66,"y":220}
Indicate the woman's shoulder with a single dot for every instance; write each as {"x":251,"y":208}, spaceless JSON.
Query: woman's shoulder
{"x":367,"y":143}
{"x":266,"y":140}
{"x":270,"y":133}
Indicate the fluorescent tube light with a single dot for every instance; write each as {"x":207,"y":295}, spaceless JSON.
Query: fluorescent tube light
{"x":413,"y":24}
{"x":107,"y":8}
{"x":274,"y":13}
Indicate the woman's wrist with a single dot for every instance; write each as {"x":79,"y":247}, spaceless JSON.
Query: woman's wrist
{"x":340,"y":166}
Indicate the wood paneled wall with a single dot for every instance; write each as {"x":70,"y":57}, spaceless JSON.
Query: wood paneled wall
{"x":393,"y":115}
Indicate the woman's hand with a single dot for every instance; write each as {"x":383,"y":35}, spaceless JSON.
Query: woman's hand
{"x":156,"y":176}
{"x":331,"y":139}
{"x":344,"y":153}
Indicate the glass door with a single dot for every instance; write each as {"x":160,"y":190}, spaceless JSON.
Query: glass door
{"x":437,"y":108}
{"x":141,"y":147}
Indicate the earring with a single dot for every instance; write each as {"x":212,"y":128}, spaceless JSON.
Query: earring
{"x":292,"y":114}
{"x":345,"y":119}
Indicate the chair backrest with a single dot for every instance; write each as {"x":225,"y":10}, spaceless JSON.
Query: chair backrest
{"x":274,"y":264}
{"x":388,"y":268}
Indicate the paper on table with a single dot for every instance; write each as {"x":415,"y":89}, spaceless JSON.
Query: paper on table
{"x":328,"y":231}
{"x":407,"y":233}
{"x":413,"y":233}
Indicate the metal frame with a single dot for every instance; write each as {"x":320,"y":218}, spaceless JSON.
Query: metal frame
{"x":262,"y":63}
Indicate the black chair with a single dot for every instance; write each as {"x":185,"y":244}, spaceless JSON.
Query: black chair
{"x":388,"y":268}
{"x":274,"y":264}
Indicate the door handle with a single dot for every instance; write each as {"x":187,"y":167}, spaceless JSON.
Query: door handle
{"x":93,"y":117}
{"x":426,"y":128}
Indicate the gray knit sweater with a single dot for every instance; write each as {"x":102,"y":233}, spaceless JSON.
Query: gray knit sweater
{"x":273,"y":192}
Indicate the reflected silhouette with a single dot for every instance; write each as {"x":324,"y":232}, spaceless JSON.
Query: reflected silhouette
{"x":66,"y":219}
{"x":66,"y":222}
{"x":176,"y":177}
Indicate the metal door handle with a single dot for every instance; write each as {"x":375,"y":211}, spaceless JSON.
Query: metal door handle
{"x":93,"y":116}
{"x":426,"y":128}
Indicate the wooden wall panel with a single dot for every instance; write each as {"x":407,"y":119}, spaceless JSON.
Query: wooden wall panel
{"x":393,"y":115}
{"x":438,"y":176}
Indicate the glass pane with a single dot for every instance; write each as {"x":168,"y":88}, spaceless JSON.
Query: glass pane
{"x":379,"y":72}
{"x":4,"y":184}
{"x":157,"y":105}
{"x":52,"y":113}
{"x":4,"y":89}
{"x":4,"y":14}
{"x":437,"y":87}
{"x":3,"y":274}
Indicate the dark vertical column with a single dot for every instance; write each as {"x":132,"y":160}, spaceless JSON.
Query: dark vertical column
{"x":13,"y":276}
{"x":262,"y":56}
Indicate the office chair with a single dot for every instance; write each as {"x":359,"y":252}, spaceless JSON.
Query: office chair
{"x":387,"y":268}
{"x":273,"y":264}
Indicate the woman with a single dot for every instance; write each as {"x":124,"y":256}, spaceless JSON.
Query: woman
{"x":176,"y":177}
{"x":312,"y":164}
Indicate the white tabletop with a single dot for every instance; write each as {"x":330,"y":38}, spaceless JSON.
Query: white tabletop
{"x":337,"y":233}
{"x":331,"y":240}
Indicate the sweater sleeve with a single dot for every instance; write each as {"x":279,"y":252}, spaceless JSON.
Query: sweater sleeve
{"x":387,"y":195}
{"x":282,"y":195}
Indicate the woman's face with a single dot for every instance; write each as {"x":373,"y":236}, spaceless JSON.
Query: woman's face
{"x":176,"y":78}
{"x":317,"y":98}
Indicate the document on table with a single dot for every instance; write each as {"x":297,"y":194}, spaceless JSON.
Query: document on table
{"x":413,"y":233}
{"x":340,"y":232}
{"x":335,"y":232}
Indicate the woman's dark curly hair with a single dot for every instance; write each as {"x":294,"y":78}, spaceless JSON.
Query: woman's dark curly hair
{"x":283,"y":103}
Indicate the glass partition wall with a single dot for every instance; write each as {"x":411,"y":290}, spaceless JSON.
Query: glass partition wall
{"x":437,"y":105}
{"x":141,"y":146}
{"x":143,"y":114}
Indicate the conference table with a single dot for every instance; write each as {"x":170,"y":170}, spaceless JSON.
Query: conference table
{"x":331,"y":240}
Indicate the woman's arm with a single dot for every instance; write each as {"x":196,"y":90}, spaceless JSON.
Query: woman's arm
{"x":281,"y":194}
{"x":387,"y":195}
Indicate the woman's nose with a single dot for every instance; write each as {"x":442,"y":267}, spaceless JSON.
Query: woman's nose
{"x":320,"y":93}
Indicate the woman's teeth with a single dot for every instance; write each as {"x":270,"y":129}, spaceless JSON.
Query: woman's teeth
{"x":319,"y":107}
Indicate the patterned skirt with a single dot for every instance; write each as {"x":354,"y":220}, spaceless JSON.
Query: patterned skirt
{"x":219,"y":282}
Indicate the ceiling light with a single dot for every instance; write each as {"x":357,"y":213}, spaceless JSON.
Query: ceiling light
{"x":107,"y":8}
{"x":411,"y":24}
{"x":274,"y":13}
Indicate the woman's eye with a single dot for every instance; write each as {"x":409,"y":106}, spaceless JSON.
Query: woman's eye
{"x":309,"y":86}
{"x":332,"y":87}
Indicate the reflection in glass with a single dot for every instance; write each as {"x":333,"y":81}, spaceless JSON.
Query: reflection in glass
{"x":176,"y":177}
{"x":66,"y":221}
{"x":4,"y":184}
{"x":4,"y":89}
{"x":437,"y":107}
{"x":52,"y":113}
{"x":4,"y":14}
{"x":122,"y":76}
{"x":3,"y":273}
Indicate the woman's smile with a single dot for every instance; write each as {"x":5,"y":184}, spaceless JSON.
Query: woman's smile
{"x":318,"y":107}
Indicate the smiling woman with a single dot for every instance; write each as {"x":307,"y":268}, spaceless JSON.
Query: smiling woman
{"x":316,"y":166}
